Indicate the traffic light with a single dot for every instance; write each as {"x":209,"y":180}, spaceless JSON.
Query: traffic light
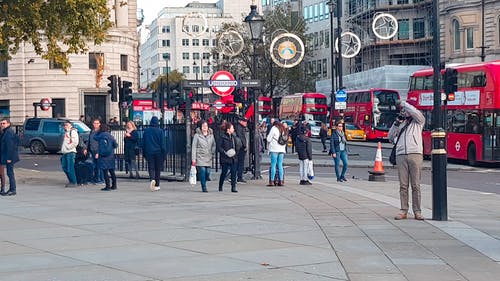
{"x":239,"y":96}
{"x":126,"y":91}
{"x":113,"y":87}
{"x":450,"y":83}
{"x":174,"y":94}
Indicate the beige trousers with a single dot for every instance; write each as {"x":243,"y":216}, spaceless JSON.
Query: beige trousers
{"x":410,"y":170}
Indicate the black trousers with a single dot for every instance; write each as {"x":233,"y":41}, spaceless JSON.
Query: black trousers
{"x":241,"y":163}
{"x":155,"y":166}
{"x":226,"y":168}
{"x":106,"y":177}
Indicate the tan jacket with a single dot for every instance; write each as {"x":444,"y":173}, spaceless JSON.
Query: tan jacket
{"x":411,"y":139}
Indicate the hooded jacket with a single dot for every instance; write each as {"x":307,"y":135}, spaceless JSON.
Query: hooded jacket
{"x":153,"y":139}
{"x":411,"y":139}
{"x":303,"y":146}
{"x":203,"y":148}
{"x":70,"y":141}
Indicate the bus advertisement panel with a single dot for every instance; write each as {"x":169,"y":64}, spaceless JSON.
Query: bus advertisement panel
{"x":373,"y":110}
{"x":472,"y":120}
{"x":304,"y":106}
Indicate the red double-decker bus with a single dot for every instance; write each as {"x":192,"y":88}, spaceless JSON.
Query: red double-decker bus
{"x":374,"y":110}
{"x":304,"y":106}
{"x":472,"y":120}
{"x":265,"y":106}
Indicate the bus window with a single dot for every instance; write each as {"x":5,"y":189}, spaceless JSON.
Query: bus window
{"x":427,"y":83}
{"x":365,"y":97}
{"x":457,"y":121}
{"x":472,"y":123}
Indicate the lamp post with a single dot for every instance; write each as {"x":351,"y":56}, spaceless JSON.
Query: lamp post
{"x":166,"y":57}
{"x":331,"y":6}
{"x":255,"y":25}
{"x":339,"y":37}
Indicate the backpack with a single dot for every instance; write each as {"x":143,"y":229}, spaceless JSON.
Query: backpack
{"x":106,"y":147}
{"x":282,"y":140}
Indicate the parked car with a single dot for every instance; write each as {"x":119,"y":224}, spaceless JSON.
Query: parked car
{"x":315,"y":127}
{"x":46,"y":134}
{"x":354,"y":132}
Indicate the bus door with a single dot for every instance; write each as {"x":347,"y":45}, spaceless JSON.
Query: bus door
{"x":491,"y":136}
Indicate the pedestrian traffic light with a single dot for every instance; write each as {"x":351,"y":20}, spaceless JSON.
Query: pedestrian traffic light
{"x":126,"y":91}
{"x":113,"y":87}
{"x":450,"y":83}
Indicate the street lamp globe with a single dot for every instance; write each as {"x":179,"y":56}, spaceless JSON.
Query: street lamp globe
{"x":332,"y":5}
{"x":255,"y":23}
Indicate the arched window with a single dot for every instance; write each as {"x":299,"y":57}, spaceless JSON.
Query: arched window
{"x":456,"y":35}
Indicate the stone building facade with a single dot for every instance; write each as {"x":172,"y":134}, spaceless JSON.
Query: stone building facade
{"x":27,"y":78}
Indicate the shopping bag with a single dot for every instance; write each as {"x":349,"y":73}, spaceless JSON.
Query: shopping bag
{"x":192,"y":175}
{"x":310,"y":170}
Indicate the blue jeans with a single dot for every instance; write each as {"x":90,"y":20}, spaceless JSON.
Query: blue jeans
{"x":12,"y":178}
{"x":98,"y":176}
{"x":68,"y":166}
{"x":277,"y":159}
{"x":204,"y":173}
{"x":341,"y":155}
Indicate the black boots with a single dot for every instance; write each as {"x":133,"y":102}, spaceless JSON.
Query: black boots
{"x":2,"y":190}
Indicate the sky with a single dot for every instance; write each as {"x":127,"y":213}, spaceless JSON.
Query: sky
{"x":152,"y":7}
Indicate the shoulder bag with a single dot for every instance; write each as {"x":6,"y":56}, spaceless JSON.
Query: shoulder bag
{"x":392,"y":158}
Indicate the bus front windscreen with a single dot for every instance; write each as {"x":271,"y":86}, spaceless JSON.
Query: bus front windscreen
{"x":385,"y":110}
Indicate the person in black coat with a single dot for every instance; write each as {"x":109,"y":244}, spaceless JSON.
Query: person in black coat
{"x":9,"y":154}
{"x":154,"y":149}
{"x":303,"y":147}
{"x":131,"y":142}
{"x":228,"y":147}
{"x":106,"y":163}
{"x":2,"y":168}
{"x":241,"y":131}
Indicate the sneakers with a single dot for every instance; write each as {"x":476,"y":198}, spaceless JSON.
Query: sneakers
{"x":305,"y":182}
{"x":242,"y":181}
{"x":152,"y":186}
{"x":419,"y":217}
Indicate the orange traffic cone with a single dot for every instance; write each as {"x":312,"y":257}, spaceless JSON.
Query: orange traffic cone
{"x":378,"y":168}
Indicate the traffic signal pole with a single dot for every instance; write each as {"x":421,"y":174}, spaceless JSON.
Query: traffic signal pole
{"x":439,"y":156}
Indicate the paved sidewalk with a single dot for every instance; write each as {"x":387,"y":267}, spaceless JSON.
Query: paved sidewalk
{"x":327,"y":231}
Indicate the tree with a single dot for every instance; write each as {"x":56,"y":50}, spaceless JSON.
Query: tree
{"x":173,"y":77}
{"x":56,"y":28}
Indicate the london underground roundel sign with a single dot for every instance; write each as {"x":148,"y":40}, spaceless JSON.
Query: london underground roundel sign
{"x":45,"y":104}
{"x":222,"y":83}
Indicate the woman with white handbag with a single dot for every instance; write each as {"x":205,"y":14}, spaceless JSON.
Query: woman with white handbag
{"x":202,"y":152}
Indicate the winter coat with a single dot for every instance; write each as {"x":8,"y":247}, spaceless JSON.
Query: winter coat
{"x":335,"y":143}
{"x":130,"y":144}
{"x":240,"y":131}
{"x":107,"y":162}
{"x":323,"y":134}
{"x":303,"y":147}
{"x":272,"y":139}
{"x":70,"y":141}
{"x":227,"y":142}
{"x":93,"y":146}
{"x":153,"y":140}
{"x":203,"y":148}
{"x":9,"y":149}
{"x":411,"y":139}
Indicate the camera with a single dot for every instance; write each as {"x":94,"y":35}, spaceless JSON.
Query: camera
{"x":401,"y":117}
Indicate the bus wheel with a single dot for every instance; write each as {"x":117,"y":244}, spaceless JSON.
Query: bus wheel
{"x":471,"y":155}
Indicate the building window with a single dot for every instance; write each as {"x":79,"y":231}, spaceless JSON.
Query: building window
{"x":403,"y":29}
{"x":306,"y":13}
{"x":327,"y":39}
{"x":456,"y":35}
{"x":165,"y":43}
{"x":196,"y":56}
{"x":206,"y":69}
{"x":196,"y":42}
{"x":123,"y":62}
{"x":206,"y":56}
{"x":166,"y":70}
{"x":4,"y":68}
{"x":321,"y":11}
{"x":185,"y":69}
{"x":327,"y":11}
{"x":319,"y":72}
{"x":54,"y":65}
{"x":418,"y":28}
{"x":5,"y":108}
{"x":185,"y":42}
{"x":402,"y":1}
{"x":59,"y":110}
{"x":196,"y":69}
{"x":185,"y":56}
{"x":316,"y":12}
{"x":214,"y":42}
{"x":325,"y":72}
{"x":165,"y":29}
{"x":216,"y":56}
{"x":93,"y":60}
{"x":470,"y":38}
{"x":205,"y":42}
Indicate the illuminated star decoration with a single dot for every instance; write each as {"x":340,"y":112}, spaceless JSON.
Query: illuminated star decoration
{"x":350,"y":45}
{"x":385,"y":26}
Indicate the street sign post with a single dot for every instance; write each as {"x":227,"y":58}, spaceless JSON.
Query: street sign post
{"x":341,"y":99}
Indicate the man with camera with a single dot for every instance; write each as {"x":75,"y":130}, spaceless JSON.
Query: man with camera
{"x":408,"y":128}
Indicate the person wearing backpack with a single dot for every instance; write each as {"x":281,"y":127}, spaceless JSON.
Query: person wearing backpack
{"x":68,"y":150}
{"x":106,"y":156}
{"x":303,"y":147}
{"x":277,"y":140}
{"x":154,"y":149}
